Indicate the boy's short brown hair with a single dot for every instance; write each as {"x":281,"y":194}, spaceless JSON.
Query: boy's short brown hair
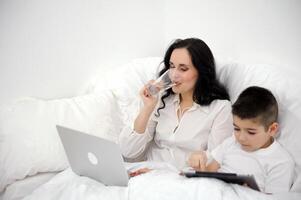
{"x":256,"y":103}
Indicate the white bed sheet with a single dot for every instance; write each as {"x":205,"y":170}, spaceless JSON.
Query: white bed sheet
{"x":25,"y":187}
{"x":287,"y":196}
{"x":157,"y":184}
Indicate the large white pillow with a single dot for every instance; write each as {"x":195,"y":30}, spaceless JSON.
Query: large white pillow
{"x":286,"y":89}
{"x":29,"y":142}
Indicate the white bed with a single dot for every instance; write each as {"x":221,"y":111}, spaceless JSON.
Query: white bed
{"x":26,"y":186}
{"x":29,"y":143}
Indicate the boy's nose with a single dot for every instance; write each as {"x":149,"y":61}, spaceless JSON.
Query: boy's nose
{"x":242,"y":137}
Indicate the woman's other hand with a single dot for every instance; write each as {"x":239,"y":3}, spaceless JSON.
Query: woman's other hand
{"x":139,"y":171}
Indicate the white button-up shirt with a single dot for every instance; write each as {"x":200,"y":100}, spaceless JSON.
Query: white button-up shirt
{"x":170,"y":139}
{"x":272,"y":167}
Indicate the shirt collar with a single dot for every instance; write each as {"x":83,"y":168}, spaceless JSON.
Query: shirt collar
{"x":176,"y":102}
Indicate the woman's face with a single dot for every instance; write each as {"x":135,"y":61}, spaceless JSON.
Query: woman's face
{"x":182,"y":72}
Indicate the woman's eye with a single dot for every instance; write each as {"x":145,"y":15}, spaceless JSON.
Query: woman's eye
{"x":184,"y":69}
{"x":251,"y":133}
{"x":236,"y":129}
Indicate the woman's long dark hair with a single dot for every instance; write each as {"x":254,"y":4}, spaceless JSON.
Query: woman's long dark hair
{"x":207,"y":87}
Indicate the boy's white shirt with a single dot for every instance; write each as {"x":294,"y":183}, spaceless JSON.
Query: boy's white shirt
{"x":171,"y":140}
{"x":272,"y":167}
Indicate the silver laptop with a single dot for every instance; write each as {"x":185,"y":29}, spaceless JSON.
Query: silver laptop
{"x":94,"y":157}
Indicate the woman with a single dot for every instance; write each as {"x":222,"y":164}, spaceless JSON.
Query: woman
{"x":194,"y":115}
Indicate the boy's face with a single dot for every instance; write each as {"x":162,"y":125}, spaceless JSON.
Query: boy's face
{"x":252,"y":135}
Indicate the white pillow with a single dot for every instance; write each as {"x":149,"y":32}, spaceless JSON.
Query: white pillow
{"x":125,"y":83}
{"x":29,"y":142}
{"x":287,"y":90}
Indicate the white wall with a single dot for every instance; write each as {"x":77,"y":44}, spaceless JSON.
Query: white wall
{"x":50,"y":48}
{"x":250,"y":31}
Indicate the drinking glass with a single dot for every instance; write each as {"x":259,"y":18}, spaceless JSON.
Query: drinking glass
{"x":161,"y":84}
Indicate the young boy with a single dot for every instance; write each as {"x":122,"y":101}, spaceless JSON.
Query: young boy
{"x":252,"y":149}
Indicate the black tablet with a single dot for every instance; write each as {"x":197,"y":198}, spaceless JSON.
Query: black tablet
{"x":227,"y":177}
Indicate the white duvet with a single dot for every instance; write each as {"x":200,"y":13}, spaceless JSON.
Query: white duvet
{"x":157,"y":184}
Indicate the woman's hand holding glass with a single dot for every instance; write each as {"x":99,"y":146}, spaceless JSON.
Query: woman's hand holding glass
{"x":149,"y":100}
{"x":150,"y":92}
{"x":163,"y":83}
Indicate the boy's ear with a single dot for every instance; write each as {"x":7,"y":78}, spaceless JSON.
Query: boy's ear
{"x":273,"y":129}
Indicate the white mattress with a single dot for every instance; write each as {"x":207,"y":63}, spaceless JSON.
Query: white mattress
{"x":24,"y":187}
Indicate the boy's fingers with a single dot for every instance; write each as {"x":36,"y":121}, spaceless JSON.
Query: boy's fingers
{"x":195,"y":164}
{"x":202,"y":165}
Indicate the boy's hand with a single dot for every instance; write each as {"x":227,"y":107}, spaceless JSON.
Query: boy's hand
{"x":197,"y":160}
